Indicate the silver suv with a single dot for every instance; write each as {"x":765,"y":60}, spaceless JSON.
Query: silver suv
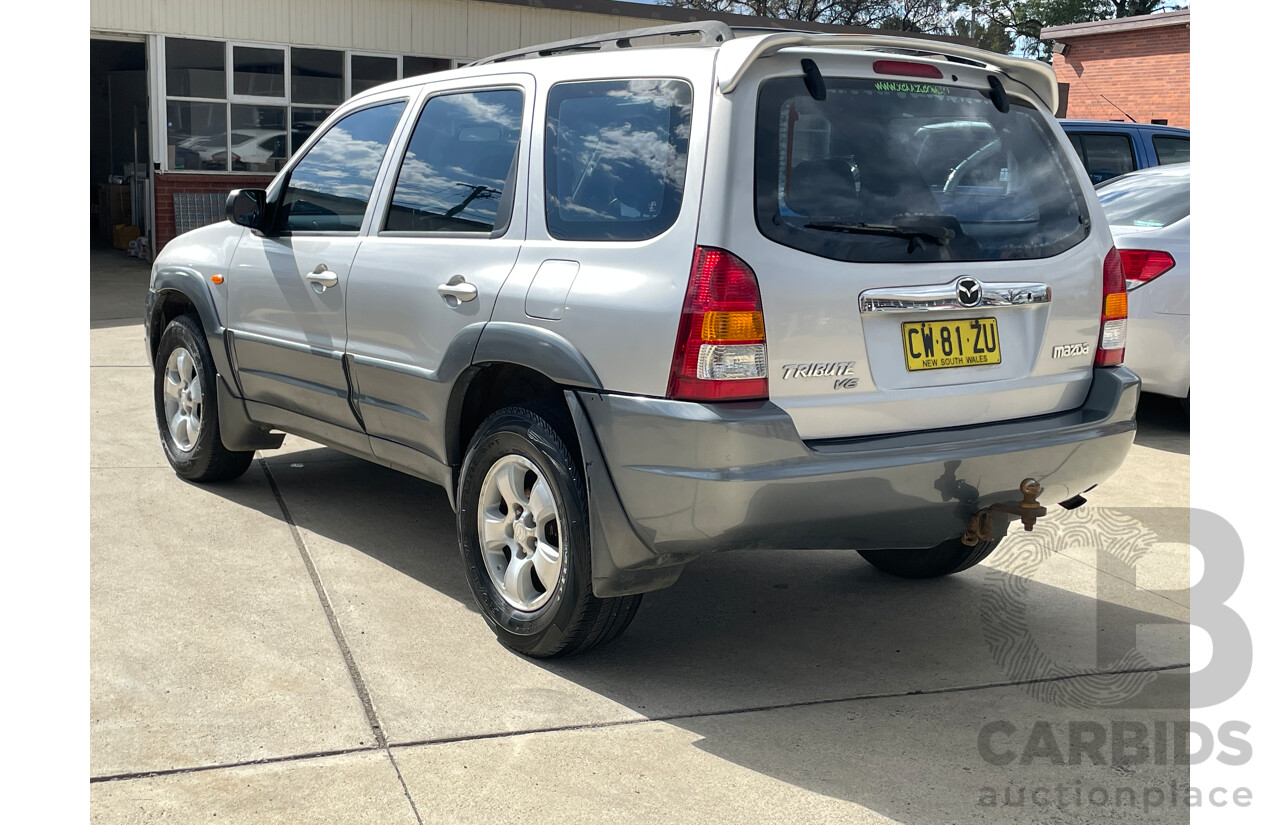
{"x":629,"y":305}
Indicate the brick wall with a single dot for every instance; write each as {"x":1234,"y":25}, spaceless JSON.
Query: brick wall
{"x":1146,"y":73}
{"x":167,"y":185}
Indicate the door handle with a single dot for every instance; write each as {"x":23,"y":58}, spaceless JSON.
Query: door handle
{"x":322,"y":278}
{"x":457,"y":291}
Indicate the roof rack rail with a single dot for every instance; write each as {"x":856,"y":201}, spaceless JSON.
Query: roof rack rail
{"x":710,"y":32}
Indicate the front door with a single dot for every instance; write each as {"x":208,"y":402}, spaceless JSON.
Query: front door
{"x":442,"y":249}
{"x":287,"y":296}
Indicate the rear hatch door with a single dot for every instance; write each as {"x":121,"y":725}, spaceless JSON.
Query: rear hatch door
{"x":925,"y":260}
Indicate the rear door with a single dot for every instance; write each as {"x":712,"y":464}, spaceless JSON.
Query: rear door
{"x":924,"y":259}
{"x":443,"y":244}
{"x":287,"y":296}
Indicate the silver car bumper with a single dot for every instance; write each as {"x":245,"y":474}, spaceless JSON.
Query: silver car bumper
{"x":671,"y":480}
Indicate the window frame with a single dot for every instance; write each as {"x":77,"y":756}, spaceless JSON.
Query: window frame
{"x":282,"y":102}
{"x":278,"y":187}
{"x":260,"y":100}
{"x":353,"y":53}
{"x":160,"y":90}
{"x":544,"y":182}
{"x":472,"y":86}
{"x":1156,"y":139}
{"x":1110,"y":133}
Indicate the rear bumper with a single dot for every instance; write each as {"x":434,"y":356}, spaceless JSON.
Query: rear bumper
{"x":671,"y":480}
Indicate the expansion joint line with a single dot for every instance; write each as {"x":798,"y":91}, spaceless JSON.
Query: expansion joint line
{"x":353,"y":670}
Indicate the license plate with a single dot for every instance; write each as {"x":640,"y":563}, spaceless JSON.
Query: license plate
{"x":934,"y":345}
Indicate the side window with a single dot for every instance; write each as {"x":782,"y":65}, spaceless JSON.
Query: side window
{"x":458,"y":171}
{"x":1172,"y":149}
{"x":615,"y":158}
{"x":1107,"y":156}
{"x":328,"y":190}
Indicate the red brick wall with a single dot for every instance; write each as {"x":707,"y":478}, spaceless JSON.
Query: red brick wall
{"x":169,"y":184}
{"x":1146,"y":73}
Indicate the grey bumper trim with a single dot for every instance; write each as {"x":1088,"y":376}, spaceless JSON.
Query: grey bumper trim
{"x":697,"y":478}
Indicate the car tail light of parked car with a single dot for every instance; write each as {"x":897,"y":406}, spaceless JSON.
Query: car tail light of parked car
{"x":720,"y":349}
{"x":1142,"y":265}
{"x":1115,"y":312}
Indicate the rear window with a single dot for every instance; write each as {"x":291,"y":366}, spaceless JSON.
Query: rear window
{"x":616,"y":152}
{"x":1147,"y":199}
{"x":893,"y":172}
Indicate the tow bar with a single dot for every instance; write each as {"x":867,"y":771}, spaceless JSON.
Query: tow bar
{"x":1028,"y":510}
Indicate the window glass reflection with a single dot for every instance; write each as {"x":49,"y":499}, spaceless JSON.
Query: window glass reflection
{"x":259,"y":141}
{"x":414,"y":66}
{"x":197,"y":132}
{"x":368,"y":71}
{"x":316,"y":76}
{"x":305,"y":121}
{"x":195,"y":68}
{"x":458,"y":164}
{"x":329,"y":189}
{"x":259,"y":72}
{"x":615,"y":157}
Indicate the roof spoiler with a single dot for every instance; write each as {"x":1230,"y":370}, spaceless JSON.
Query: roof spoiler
{"x":737,"y":56}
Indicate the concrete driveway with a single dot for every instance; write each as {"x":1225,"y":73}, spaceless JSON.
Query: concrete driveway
{"x":300,"y":646}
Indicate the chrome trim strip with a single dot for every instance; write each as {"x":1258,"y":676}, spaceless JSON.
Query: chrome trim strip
{"x":943,"y":297}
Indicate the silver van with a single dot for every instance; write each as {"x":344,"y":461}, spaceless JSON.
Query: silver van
{"x":630,"y":304}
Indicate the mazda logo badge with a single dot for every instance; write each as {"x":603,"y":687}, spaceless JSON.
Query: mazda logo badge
{"x":969,"y":291}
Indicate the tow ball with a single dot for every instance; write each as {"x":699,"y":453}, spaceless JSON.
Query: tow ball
{"x":1028,"y":510}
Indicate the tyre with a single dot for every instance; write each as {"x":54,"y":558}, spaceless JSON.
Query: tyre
{"x":186,"y":398}
{"x":524,"y":537}
{"x":951,"y":556}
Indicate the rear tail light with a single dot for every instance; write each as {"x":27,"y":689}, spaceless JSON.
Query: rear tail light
{"x":1115,"y":312}
{"x":720,"y":351}
{"x":1142,"y":265}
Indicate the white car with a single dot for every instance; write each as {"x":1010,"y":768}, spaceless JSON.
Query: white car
{"x":251,"y":150}
{"x":1150,"y":216}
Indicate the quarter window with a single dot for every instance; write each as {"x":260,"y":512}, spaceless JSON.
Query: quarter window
{"x":1172,"y":149}
{"x":458,"y":171}
{"x":1105,"y":156}
{"x":616,"y":153}
{"x":328,"y":190}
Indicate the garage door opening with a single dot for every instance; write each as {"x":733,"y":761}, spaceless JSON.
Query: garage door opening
{"x":119,"y":141}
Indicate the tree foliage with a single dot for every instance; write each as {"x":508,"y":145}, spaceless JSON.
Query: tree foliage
{"x":1023,"y":19}
{"x":901,"y":15}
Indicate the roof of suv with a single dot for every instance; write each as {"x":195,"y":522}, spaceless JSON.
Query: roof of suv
{"x":1122,"y":125}
{"x":741,"y":47}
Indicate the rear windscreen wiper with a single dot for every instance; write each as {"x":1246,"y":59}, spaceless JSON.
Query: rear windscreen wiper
{"x":941,"y":235}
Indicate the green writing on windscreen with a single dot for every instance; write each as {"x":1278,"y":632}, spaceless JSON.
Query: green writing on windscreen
{"x":915,"y":88}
